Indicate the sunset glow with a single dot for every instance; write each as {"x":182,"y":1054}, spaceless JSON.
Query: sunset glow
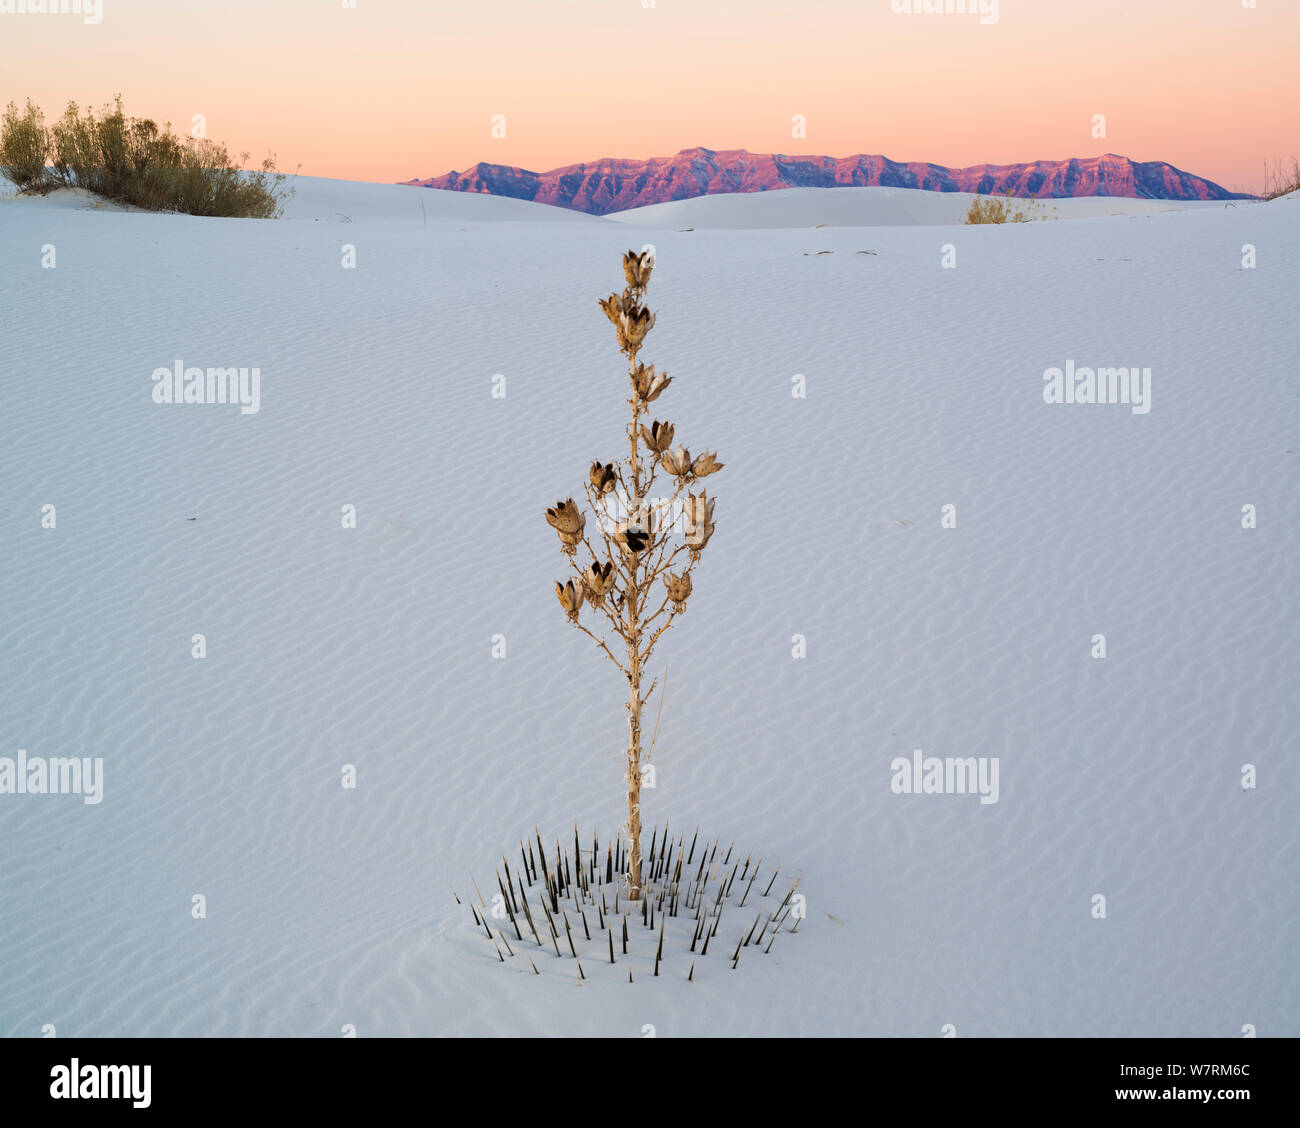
{"x":389,"y":90}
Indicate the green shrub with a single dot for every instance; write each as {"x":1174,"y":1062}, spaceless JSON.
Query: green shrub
{"x":205,"y":181}
{"x":24,"y":145}
{"x":136,"y":161}
{"x":1003,"y":209}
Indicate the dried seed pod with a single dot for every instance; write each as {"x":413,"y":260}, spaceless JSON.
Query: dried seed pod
{"x":633,"y":324}
{"x":648,"y":384}
{"x":603,"y":478}
{"x":570,"y":597}
{"x":678,"y":588}
{"x":703,"y":538}
{"x":699,"y":522}
{"x":706,"y":464}
{"x":658,"y":437}
{"x":631,"y":538}
{"x":598,"y":580}
{"x":676,"y":462}
{"x":699,"y":510}
{"x":565,"y":517}
{"x":568,"y":522}
{"x":613,"y":307}
{"x":637,"y":267}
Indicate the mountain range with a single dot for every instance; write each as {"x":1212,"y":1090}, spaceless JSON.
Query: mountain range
{"x":615,"y":184}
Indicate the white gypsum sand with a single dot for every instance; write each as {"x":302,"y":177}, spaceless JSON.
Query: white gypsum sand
{"x":372,"y":646}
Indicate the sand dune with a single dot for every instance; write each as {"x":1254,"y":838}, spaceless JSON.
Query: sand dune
{"x":868,"y":207}
{"x":372,"y":647}
{"x":346,"y":202}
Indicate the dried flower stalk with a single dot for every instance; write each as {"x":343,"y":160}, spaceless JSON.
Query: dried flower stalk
{"x":629,"y":582}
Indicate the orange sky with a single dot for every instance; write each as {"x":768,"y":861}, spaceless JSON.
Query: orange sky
{"x":393,"y":89}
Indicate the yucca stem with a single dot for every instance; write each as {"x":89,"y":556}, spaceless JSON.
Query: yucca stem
{"x":632,"y":603}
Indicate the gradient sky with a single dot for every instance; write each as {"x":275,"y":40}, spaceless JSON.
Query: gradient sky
{"x":395,"y":89}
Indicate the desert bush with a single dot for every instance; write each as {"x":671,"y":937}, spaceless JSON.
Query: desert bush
{"x":1003,"y":209}
{"x":1281,"y":180}
{"x":24,"y":146}
{"x":138,"y":162}
{"x":205,"y":181}
{"x":72,"y":147}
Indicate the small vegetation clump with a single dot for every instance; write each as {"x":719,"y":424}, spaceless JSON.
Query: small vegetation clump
{"x":1281,"y":180}
{"x":137,"y":162}
{"x":1004,"y":209}
{"x":24,"y":144}
{"x":686,"y":894}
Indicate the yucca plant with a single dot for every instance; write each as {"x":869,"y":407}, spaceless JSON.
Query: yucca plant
{"x":627,"y":582}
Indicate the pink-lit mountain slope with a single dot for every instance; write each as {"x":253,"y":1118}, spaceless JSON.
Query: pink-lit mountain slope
{"x":616,"y":184}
